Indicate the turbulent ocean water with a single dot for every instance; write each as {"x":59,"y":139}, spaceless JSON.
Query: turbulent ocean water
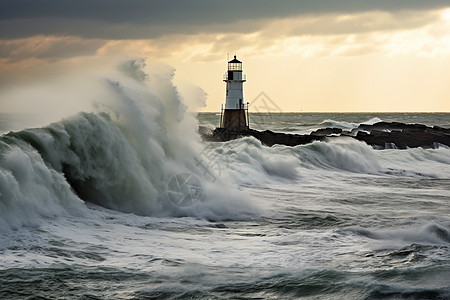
{"x":127,"y":202}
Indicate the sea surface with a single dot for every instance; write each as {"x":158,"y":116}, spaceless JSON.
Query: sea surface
{"x":131,"y":204}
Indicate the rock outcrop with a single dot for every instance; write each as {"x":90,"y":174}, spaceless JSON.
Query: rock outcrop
{"x":380,"y":135}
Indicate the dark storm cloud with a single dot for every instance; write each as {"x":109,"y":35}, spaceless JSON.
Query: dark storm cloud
{"x":48,"y":47}
{"x":132,"y":19}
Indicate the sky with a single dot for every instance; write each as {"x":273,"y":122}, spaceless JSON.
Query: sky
{"x":309,"y":56}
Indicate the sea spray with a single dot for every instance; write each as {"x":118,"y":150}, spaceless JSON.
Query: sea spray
{"x":247,"y":161}
{"x":29,"y":189}
{"x":250,"y":162}
{"x":343,"y":154}
{"x":371,"y":234}
{"x":348,"y":125}
{"x":121,"y":157}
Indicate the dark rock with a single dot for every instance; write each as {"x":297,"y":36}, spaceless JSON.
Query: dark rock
{"x":268,"y":138}
{"x":326,"y":131}
{"x":381,"y":135}
{"x":362,"y":133}
{"x":404,"y":135}
{"x":204,"y":132}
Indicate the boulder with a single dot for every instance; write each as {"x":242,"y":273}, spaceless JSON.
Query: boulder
{"x":380,"y":135}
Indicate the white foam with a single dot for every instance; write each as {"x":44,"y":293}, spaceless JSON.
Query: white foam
{"x":348,"y":125}
{"x":121,"y":157}
{"x":428,"y":234}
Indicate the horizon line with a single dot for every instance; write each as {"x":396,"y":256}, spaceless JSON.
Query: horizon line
{"x":340,"y":112}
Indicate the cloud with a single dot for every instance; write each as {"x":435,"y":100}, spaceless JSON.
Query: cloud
{"x":48,"y":47}
{"x":306,"y":36}
{"x":416,"y":33}
{"x":146,"y":19}
{"x":202,"y":30}
{"x":357,"y":23}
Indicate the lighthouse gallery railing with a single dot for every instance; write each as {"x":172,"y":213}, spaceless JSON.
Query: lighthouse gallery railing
{"x":244,"y":77}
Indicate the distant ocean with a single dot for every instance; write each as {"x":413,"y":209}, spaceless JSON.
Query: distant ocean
{"x":131,"y":204}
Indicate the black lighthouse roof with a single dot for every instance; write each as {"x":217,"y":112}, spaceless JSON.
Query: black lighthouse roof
{"x":234,"y":61}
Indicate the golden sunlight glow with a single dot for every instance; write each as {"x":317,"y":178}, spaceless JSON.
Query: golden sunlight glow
{"x":446,"y":14}
{"x":371,"y":61}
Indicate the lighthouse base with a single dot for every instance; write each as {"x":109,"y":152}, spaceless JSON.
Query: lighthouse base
{"x":234,"y":120}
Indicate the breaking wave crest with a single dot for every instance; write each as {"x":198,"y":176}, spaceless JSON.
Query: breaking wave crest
{"x":428,"y":234}
{"x":120,"y":157}
{"x":348,"y":125}
{"x":124,"y":154}
{"x":247,"y":161}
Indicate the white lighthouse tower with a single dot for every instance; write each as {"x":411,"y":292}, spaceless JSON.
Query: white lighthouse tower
{"x":233,"y":117}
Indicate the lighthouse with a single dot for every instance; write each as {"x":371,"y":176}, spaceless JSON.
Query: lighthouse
{"x":233,"y":117}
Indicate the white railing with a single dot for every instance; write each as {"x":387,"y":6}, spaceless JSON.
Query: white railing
{"x":225,"y":77}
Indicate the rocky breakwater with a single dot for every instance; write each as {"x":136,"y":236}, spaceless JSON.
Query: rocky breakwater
{"x":400,"y":135}
{"x":380,"y":135}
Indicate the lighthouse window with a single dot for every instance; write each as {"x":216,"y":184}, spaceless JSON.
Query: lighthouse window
{"x":235,"y":66}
